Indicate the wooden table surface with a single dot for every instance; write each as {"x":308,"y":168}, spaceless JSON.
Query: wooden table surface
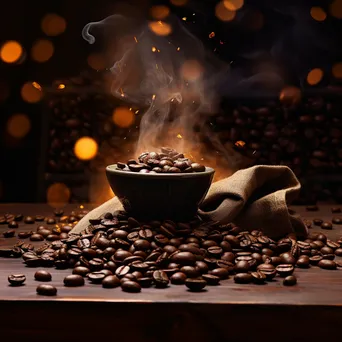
{"x":229,"y":311}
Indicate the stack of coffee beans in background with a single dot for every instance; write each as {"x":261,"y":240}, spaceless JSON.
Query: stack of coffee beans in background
{"x":116,"y":250}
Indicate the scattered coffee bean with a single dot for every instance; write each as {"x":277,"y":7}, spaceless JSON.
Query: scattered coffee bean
{"x":29,"y":220}
{"x":211,"y":279}
{"x":326,"y":225}
{"x":317,"y":222}
{"x":81,"y":270}
{"x":258,"y":277}
{"x":178,"y":278}
{"x":24,"y":235}
{"x":312,"y":208}
{"x":160,"y":279}
{"x":96,"y":277}
{"x":13,"y":224}
{"x":290,"y":280}
{"x":111,"y":281}
{"x":58,"y":212}
{"x":285,"y":270}
{"x":268,"y":270}
{"x":327,"y":264}
{"x":196,"y":284}
{"x":243,"y":278}
{"x":303,"y":261}
{"x":73,"y":280}
{"x":16,"y":279}
{"x":130,"y":286}
{"x":338,"y":251}
{"x":336,"y":210}
{"x":42,"y":275}
{"x":36,"y":237}
{"x":9,"y":233}
{"x":337,"y":220}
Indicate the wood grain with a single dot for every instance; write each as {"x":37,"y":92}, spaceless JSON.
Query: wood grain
{"x":174,"y":313}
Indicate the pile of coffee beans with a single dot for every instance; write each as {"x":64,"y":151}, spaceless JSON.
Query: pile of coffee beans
{"x":116,"y":250}
{"x":167,"y":161}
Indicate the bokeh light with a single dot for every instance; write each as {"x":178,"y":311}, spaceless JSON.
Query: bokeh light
{"x":191,"y":70}
{"x":336,"y":9}
{"x":53,"y":24}
{"x":96,"y":61}
{"x":179,"y":2}
{"x":85,"y":148}
{"x":18,"y":125}
{"x":290,"y":95}
{"x":58,"y":195}
{"x":223,"y":13}
{"x":11,"y":51}
{"x":159,"y":12}
{"x":314,"y":76}
{"x":337,"y":70}
{"x":42,"y":50}
{"x":123,"y":117}
{"x":233,"y":5}
{"x":160,"y":28}
{"x":61,"y":86}
{"x":31,"y":92}
{"x":318,"y":13}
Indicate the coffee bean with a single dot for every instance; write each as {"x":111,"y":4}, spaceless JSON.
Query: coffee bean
{"x":184,"y":258}
{"x":268,"y":270}
{"x":303,"y":261}
{"x":46,"y":290}
{"x":211,"y":279}
{"x":285,"y":270}
{"x":312,"y":208}
{"x":24,"y":235}
{"x":197,"y":167}
{"x":29,"y":220}
{"x":13,"y":224}
{"x":317,"y":222}
{"x":36,"y":237}
{"x":96,"y":264}
{"x":58,"y":212}
{"x":327,"y":264}
{"x":96,"y":277}
{"x":121,"y":271}
{"x":42,"y":275}
{"x":243,"y":278}
{"x":326,"y":250}
{"x":336,"y":210}
{"x":111,"y":281}
{"x":50,"y":220}
{"x":16,"y":279}
{"x":9,"y":233}
{"x":160,"y":278}
{"x":195,"y":285}
{"x":37,"y":218}
{"x":258,"y":277}
{"x":178,"y":278}
{"x":314,"y":260}
{"x":326,"y":225}
{"x":190,"y":271}
{"x":130,"y":286}
{"x":18,"y":217}
{"x":222,"y":273}
{"x":73,"y":280}
{"x":338,"y":251}
{"x":81,"y":270}
{"x":290,"y":280}
{"x":288,"y":258}
{"x":242,"y":266}
{"x":337,"y":220}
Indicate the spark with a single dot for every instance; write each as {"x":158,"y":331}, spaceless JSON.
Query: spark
{"x":153,"y":97}
{"x":61,"y":86}
{"x":178,"y":49}
{"x":154,"y":49}
{"x":37,"y":85}
{"x":179,"y":136}
{"x":131,"y":109}
{"x":221,"y":42}
{"x":212,"y":35}
{"x":157,"y":66}
{"x":136,"y":112}
{"x":240,"y":143}
{"x":122,"y":93}
{"x":81,"y":206}
{"x":184,"y":18}
{"x":136,"y":39}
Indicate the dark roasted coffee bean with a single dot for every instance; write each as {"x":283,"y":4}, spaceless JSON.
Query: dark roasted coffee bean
{"x":18,"y":217}
{"x":44,"y":232}
{"x":46,"y":290}
{"x":337,"y":220}
{"x":141,"y":245}
{"x":327,"y":264}
{"x":111,"y":281}
{"x":9,"y":233}
{"x":338,"y":251}
{"x":228,"y":256}
{"x":326,"y":250}
{"x":24,"y":235}
{"x":121,"y":255}
{"x":211,"y":279}
{"x":303,"y":261}
{"x":16,"y":279}
{"x":268,"y":270}
{"x":13,"y":224}
{"x":222,"y":273}
{"x":312,"y":208}
{"x":121,"y":271}
{"x":285,"y":270}
{"x":336,"y":210}
{"x":42,"y":275}
{"x":215,"y":251}
{"x":145,"y":282}
{"x":58,"y":212}
{"x":290,"y":280}
{"x":81,"y":270}
{"x":288,"y":258}
{"x":178,"y":278}
{"x":197,"y":284}
{"x":243,"y":278}
{"x":96,"y":277}
{"x":258,"y":277}
{"x":317,"y":222}
{"x":326,"y":225}
{"x":52,"y":237}
{"x":201,"y":266}
{"x":50,"y":220}
{"x":197,"y":167}
{"x":328,"y":256}
{"x":314,"y":260}
{"x":36,"y":237}
{"x":130,"y":286}
{"x":242,"y":266}
{"x":5,"y":252}
{"x":39,"y":218}
{"x":29,"y":220}
{"x":160,"y":278}
{"x":96,"y":264}
{"x":332,"y":244}
{"x":190,"y":271}
{"x":184,"y":258}
{"x":73,"y":280}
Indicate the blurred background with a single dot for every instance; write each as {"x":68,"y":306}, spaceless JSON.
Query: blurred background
{"x":279,"y":104}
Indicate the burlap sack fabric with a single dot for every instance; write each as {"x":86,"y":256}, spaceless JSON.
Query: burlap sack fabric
{"x":253,"y":198}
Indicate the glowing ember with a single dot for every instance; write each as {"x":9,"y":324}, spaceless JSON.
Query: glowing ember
{"x":240,"y":144}
{"x":178,"y":49}
{"x":58,"y":195}
{"x":154,"y":49}
{"x":212,"y":35}
{"x":223,"y":13}
{"x":160,"y":28}
{"x":122,"y":93}
{"x":153,"y":97}
{"x":123,"y":117}
{"x":184,"y":18}
{"x":179,"y":136}
{"x":81,"y":206}
{"x":11,"y":52}
{"x":191,"y":70}
{"x":290,"y":95}
{"x":18,"y":125}
{"x":61,"y":86}
{"x":37,"y":86}
{"x":314,"y":76}
{"x":233,"y":5}
{"x":136,"y":40}
{"x":159,"y":12}
{"x":318,"y":13}
{"x":85,"y":148}
{"x":337,"y":70}
{"x":31,"y":92}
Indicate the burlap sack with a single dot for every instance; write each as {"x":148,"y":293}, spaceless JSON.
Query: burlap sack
{"x":253,"y":198}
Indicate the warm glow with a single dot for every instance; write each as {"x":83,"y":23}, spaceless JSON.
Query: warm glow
{"x":318,"y":13}
{"x":85,"y":148}
{"x":123,"y":117}
{"x":154,"y":49}
{"x":223,"y":13}
{"x":337,"y":70}
{"x":290,"y":95}
{"x":336,"y":9}
{"x":179,"y":2}
{"x":42,"y":50}
{"x":240,"y":144}
{"x":233,"y":5}
{"x":160,"y":28}
{"x":58,"y":195}
{"x":53,"y":24}
{"x":61,"y":86}
{"x":212,"y":35}
{"x":11,"y":51}
{"x":96,"y":61}
{"x":159,"y":12}
{"x":191,"y":70}
{"x":179,"y":136}
{"x":18,"y":125}
{"x":315,"y":76}
{"x":31,"y":92}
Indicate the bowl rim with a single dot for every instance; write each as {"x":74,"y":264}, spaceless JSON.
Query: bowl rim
{"x":112,"y":169}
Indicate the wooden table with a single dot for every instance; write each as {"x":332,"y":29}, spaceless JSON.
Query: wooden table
{"x":308,"y":311}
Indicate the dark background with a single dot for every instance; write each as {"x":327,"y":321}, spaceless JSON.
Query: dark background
{"x":289,"y":38}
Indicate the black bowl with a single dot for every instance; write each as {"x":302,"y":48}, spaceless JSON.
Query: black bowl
{"x":162,"y":195}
